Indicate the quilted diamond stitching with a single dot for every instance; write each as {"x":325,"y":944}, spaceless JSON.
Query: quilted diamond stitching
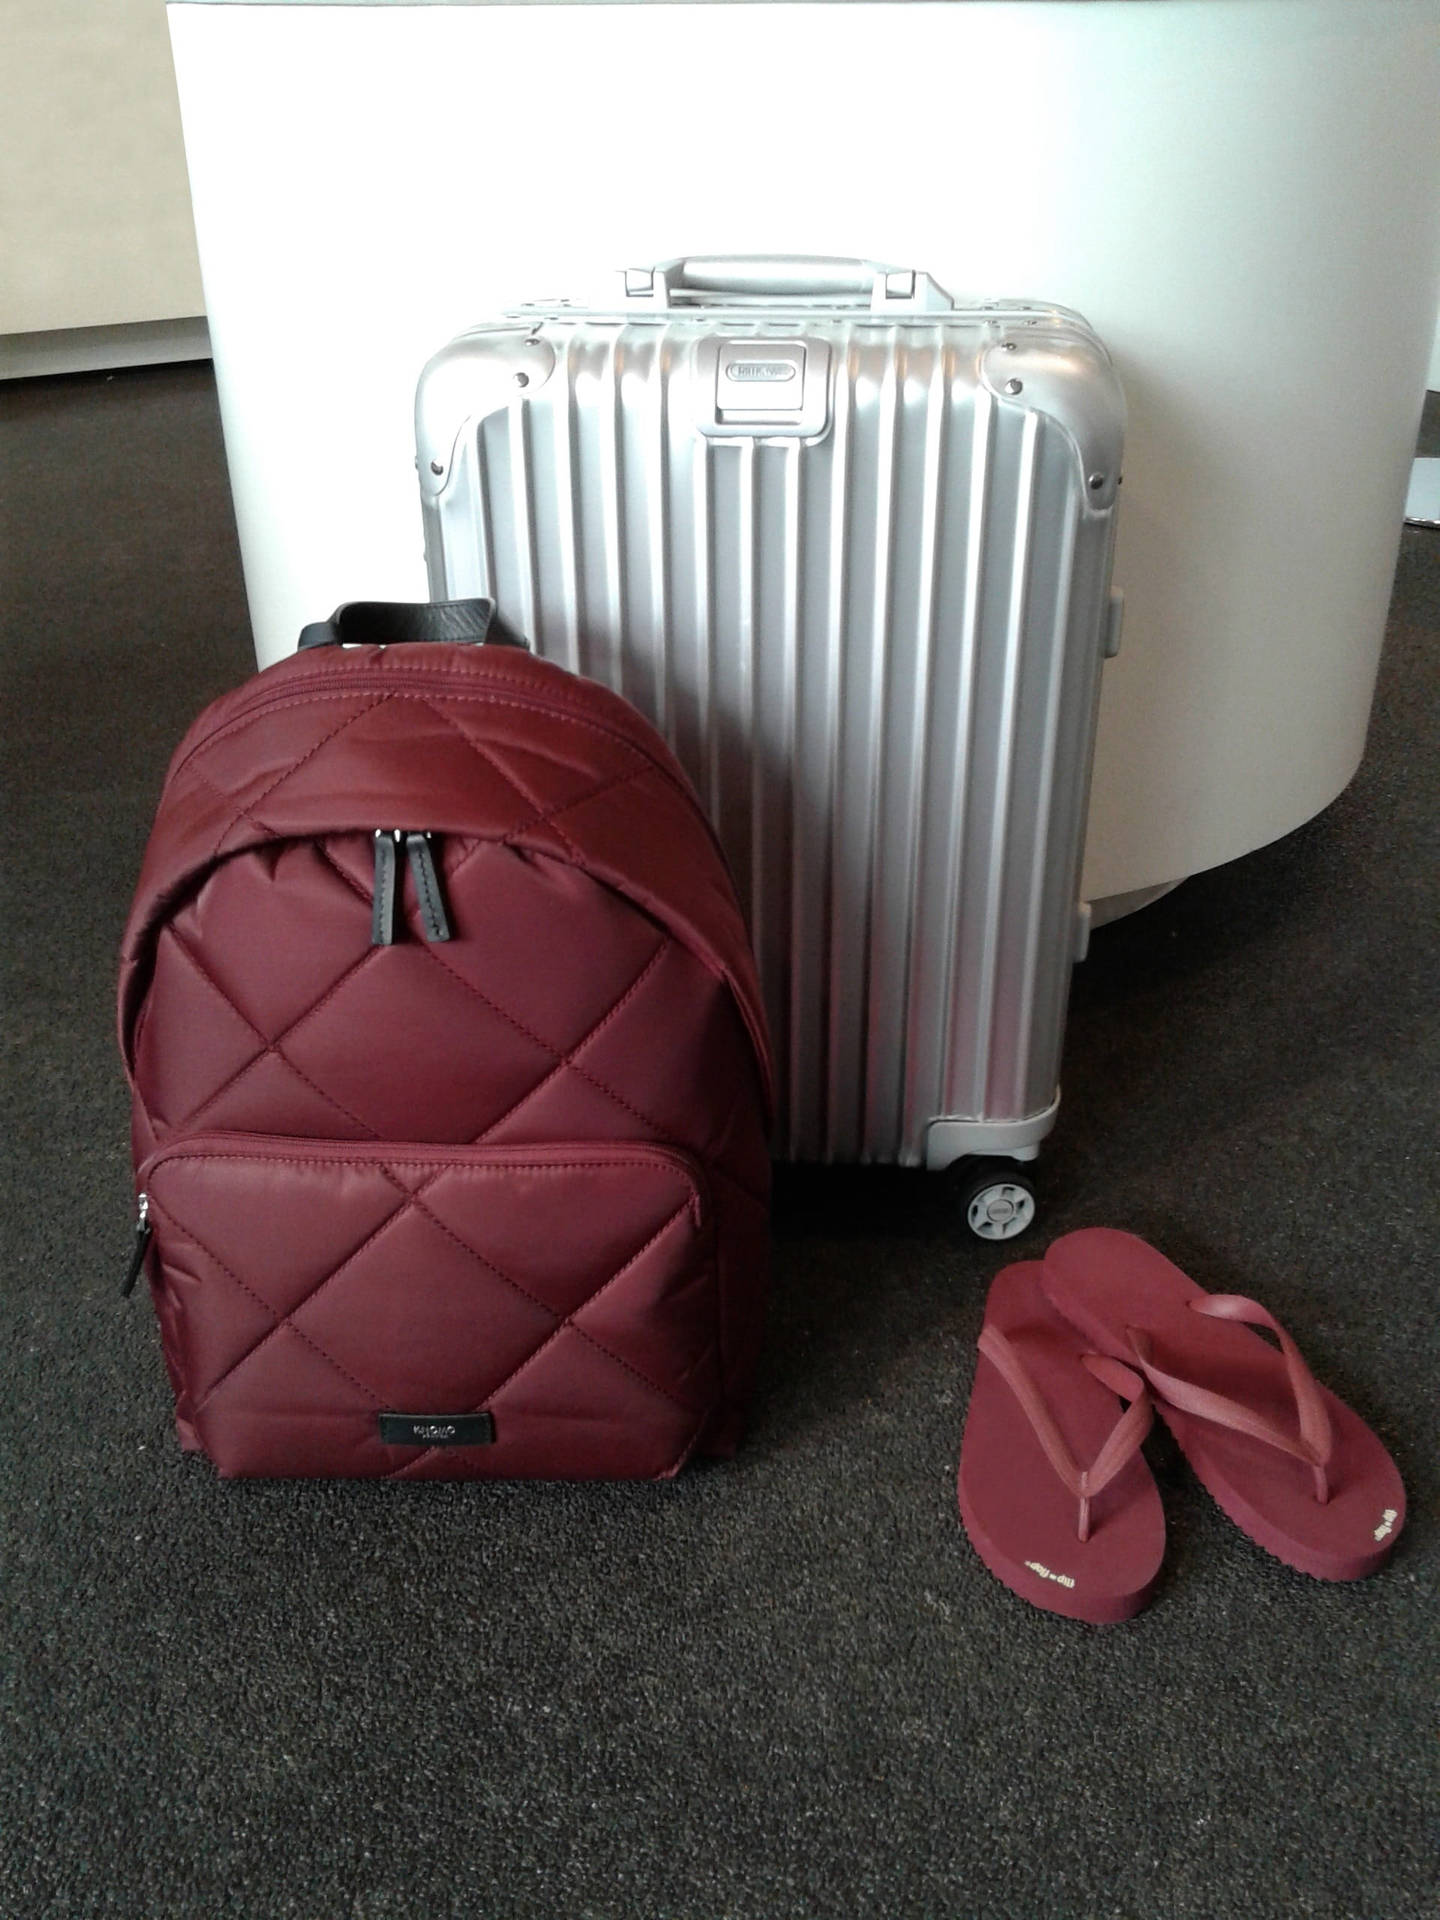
{"x":268,"y":1046}
{"x":560,"y":1327}
{"x":264,"y":1304}
{"x":565,"y":1320}
{"x":313,"y":1293}
{"x":563,"y":1061}
{"x":536,"y":814}
{"x":413,"y":1200}
{"x":455,"y":868}
{"x":569,"y":1060}
{"x":564,"y":1057}
{"x":550,"y":814}
{"x":536,"y":807}
{"x":436,"y":958}
{"x":241,"y":813}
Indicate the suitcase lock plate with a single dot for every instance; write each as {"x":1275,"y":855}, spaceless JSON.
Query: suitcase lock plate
{"x":761,"y":388}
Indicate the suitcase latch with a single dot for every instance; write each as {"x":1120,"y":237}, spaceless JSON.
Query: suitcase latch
{"x":763,"y":387}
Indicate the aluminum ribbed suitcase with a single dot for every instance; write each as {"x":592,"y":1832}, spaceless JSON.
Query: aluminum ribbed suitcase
{"x":848,"y":544}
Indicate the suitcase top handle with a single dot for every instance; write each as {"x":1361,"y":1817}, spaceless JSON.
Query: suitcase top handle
{"x":385,"y":623}
{"x":730,"y":279}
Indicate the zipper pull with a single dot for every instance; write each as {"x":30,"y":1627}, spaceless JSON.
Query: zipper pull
{"x":427,"y":886}
{"x":144,"y":1233}
{"x":386,"y":896}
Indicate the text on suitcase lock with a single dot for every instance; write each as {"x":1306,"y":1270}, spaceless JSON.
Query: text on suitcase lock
{"x":766,"y":370}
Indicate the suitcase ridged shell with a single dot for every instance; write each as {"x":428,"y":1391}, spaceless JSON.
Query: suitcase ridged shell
{"x":877,"y":655}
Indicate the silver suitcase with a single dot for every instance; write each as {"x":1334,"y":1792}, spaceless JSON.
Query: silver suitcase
{"x":847,"y":542}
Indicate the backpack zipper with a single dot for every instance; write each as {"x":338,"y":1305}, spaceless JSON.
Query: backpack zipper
{"x":143,"y":1234}
{"x":428,"y":891}
{"x":385,"y":915}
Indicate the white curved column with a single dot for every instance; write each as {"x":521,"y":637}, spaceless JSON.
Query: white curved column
{"x":1242,"y":195}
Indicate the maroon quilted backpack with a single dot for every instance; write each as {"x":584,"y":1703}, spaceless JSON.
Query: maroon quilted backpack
{"x":449,"y":1072}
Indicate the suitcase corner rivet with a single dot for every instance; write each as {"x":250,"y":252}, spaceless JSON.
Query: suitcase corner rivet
{"x":1014,"y":386}
{"x":522,"y":379}
{"x":436,"y":467}
{"x":1097,"y":480}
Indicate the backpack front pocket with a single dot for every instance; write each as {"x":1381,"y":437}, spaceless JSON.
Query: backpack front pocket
{"x":413,"y":1311}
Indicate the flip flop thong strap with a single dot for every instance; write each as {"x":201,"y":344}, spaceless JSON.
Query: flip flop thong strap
{"x":1124,"y":1439}
{"x":1315,"y":1441}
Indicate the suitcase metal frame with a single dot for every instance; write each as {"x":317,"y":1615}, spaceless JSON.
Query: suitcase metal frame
{"x":848,"y":544}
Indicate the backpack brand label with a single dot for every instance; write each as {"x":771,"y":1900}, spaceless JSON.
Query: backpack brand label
{"x":437,"y":1429}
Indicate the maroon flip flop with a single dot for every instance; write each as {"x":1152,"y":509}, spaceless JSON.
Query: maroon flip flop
{"x":1082,"y":1541}
{"x":1291,"y":1464}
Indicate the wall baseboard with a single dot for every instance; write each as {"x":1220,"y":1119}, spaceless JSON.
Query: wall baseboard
{"x":143,"y":343}
{"x":1422,"y":508}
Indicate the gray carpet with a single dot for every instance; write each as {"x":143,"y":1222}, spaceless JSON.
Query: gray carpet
{"x":772,"y":1690}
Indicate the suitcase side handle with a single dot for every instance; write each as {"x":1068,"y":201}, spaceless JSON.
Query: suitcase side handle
{"x":697,"y":279}
{"x":385,"y":623}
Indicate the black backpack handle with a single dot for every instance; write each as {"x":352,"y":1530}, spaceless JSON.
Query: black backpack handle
{"x":383,"y":623}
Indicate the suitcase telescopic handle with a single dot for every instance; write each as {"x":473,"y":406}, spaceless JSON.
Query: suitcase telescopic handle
{"x":701,"y":279}
{"x":385,"y":623}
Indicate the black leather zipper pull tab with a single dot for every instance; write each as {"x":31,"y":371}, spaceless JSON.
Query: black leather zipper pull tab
{"x":144,"y":1233}
{"x":382,"y":919}
{"x":427,"y":886}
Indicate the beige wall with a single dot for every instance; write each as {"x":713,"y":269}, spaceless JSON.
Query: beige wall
{"x":95,"y":226}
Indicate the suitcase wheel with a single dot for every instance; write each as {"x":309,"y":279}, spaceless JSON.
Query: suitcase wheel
{"x":998,"y":1199}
